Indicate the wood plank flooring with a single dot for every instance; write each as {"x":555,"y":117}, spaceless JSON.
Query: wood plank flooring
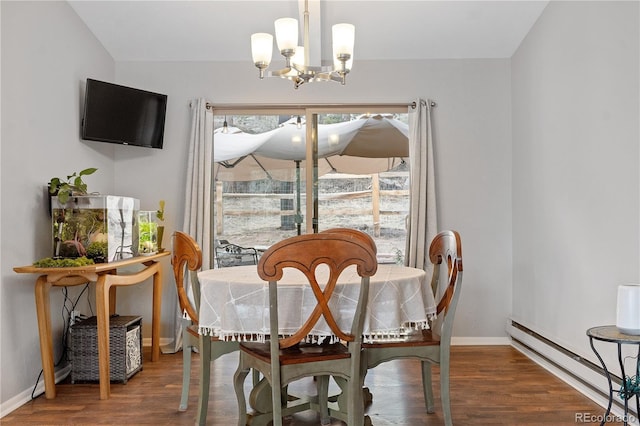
{"x":490,"y":385}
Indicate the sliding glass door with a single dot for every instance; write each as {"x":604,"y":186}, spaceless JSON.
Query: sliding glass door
{"x":299,"y":171}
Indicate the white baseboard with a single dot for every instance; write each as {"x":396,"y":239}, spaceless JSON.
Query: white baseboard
{"x":572,"y":369}
{"x":25,"y":396}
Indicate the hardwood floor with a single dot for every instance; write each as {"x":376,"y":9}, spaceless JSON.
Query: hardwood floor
{"x":490,"y":385}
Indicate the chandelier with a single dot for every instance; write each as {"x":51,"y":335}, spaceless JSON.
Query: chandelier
{"x":297,"y":66}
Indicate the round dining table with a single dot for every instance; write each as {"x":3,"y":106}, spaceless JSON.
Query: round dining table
{"x":235,"y":302}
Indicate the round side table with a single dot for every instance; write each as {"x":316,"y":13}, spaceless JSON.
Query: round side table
{"x":610,"y":333}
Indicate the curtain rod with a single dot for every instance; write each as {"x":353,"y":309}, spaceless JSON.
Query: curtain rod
{"x":308,"y":106}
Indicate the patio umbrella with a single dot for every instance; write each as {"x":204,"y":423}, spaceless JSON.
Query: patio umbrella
{"x":381,"y":140}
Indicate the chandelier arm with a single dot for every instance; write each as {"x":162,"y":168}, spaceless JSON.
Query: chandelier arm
{"x":280,"y":73}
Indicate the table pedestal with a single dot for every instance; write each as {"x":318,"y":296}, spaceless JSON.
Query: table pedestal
{"x":260,"y":402}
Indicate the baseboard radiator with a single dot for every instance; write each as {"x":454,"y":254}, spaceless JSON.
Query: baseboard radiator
{"x":580,"y":373}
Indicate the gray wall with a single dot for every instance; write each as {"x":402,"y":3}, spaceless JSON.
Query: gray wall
{"x":472,"y":148}
{"x":42,"y":93}
{"x":575,"y":168}
{"x":47,"y":53}
{"x":44,"y":74}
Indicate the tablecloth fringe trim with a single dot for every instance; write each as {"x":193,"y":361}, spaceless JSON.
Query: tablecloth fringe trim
{"x":261,"y":337}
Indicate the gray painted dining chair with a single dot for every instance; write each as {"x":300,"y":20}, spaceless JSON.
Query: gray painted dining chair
{"x":186,"y":260}
{"x":284,"y":359}
{"x":431,"y":346}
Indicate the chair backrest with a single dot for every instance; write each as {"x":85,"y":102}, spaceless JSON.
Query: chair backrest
{"x":186,"y":259}
{"x":235,"y":255}
{"x":305,"y":253}
{"x":446,"y":251}
{"x":357,"y":234}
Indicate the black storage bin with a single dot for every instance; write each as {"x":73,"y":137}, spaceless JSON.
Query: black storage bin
{"x":125,"y":348}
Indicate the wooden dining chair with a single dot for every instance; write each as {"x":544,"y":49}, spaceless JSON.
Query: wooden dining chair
{"x":284,"y":359}
{"x":186,"y":261}
{"x":366,"y":238}
{"x":431,"y":346}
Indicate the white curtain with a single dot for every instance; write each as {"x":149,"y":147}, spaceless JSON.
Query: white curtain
{"x":197,"y":201}
{"x":422,"y":222}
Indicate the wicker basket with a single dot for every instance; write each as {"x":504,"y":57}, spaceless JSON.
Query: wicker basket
{"x":125,"y":348}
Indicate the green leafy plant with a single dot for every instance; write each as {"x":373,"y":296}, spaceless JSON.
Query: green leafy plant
{"x":160,"y":211}
{"x":98,"y":251}
{"x":148,"y":236}
{"x":160,"y":216}
{"x":73,"y":185}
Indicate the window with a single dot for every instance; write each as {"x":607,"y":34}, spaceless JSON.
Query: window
{"x":264,"y":191}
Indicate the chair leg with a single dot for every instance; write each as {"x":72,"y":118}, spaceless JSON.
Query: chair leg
{"x":186,"y":371}
{"x":355,"y":403}
{"x":276,"y":399}
{"x":427,"y":387}
{"x":205,"y":377}
{"x":444,"y":389}
{"x":238,"y":384}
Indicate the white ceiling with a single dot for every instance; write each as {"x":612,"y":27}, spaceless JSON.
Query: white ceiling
{"x":219,"y":30}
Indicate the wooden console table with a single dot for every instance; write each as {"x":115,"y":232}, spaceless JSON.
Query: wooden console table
{"x":106,"y":278}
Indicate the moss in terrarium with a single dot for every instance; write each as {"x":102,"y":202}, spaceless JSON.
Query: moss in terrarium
{"x":74,"y":230}
{"x":49,"y":262}
{"x":98,"y":251}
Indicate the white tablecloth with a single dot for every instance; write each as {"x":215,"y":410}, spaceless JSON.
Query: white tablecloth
{"x":235,"y":302}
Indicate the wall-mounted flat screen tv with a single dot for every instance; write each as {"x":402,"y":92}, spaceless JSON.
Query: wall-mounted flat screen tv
{"x":123,"y":115}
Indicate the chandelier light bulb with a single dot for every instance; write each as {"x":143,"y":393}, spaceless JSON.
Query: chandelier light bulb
{"x":343,"y":39}
{"x":261,"y":50}
{"x":287,"y":35}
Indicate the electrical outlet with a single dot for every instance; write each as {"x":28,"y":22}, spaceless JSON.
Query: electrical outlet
{"x":74,"y":317}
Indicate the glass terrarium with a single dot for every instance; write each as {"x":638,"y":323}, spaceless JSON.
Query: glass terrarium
{"x":147,"y":233}
{"x":101,"y":227}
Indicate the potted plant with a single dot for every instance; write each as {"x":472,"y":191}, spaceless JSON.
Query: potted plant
{"x":160,"y":216}
{"x":74,"y":185}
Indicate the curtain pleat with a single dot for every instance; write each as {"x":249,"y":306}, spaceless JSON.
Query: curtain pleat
{"x":197,"y":214}
{"x":422,"y":222}
{"x":197,"y":201}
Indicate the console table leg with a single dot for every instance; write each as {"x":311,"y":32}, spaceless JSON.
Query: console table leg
{"x":43,"y":310}
{"x":102,"y":314}
{"x":155,"y":319}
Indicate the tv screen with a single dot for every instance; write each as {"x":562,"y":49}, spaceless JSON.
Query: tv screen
{"x":123,"y":115}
